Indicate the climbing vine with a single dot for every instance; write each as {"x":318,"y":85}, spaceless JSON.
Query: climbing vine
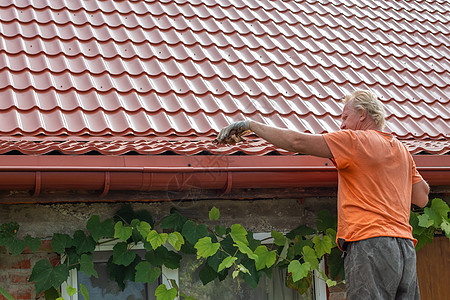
{"x":223,"y":251}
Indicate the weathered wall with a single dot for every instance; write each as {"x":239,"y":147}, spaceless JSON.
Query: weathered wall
{"x":42,"y":220}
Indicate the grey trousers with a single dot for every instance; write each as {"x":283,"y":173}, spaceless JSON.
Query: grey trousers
{"x":381,"y":268}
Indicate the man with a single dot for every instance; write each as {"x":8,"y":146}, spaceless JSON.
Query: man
{"x":377,"y":182}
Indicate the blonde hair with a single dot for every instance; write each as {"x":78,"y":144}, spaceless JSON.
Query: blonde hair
{"x":364,"y":100}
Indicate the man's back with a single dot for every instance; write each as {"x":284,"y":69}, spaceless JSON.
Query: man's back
{"x":376,"y":174}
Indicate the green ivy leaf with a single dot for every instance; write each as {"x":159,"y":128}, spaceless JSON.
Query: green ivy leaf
{"x":83,"y":243}
{"x":100,"y":229}
{"x":87,"y":266}
{"x":440,"y":207}
{"x":278,"y":238}
{"x":330,"y":282}
{"x":425,"y":221}
{"x":145,"y":273}
{"x":70,"y":290}
{"x":322,"y":246}
{"x":52,"y":293}
{"x":227,"y":262}
{"x":193,"y":233}
{"x":60,"y":242}
{"x":246,"y":250}
{"x":16,"y":246}
{"x":173,"y":221}
{"x":325,"y":220}
{"x":176,"y":240}
{"x":207,"y":274}
{"x":302,"y":230}
{"x":433,"y":215}
{"x":239,"y":234}
{"x":157,"y":239}
{"x":121,"y":274}
{"x":162,"y":293}
{"x":265,"y":258}
{"x":335,"y":264}
{"x":144,"y":229}
{"x":220,"y":230}
{"x":309,"y":255}
{"x":45,"y":276}
{"x":33,"y":243}
{"x":121,"y":254}
{"x":445,"y":226}
{"x":84,"y":292}
{"x":298,"y":270}
{"x":214,"y":214}
{"x":162,"y":256}
{"x":122,"y":232}
{"x":205,"y":247}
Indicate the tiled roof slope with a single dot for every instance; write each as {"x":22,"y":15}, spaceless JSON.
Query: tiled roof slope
{"x":157,"y":75}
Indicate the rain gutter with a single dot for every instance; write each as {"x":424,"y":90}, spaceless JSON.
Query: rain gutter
{"x":162,"y":173}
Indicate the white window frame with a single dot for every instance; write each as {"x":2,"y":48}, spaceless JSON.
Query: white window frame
{"x":320,"y":288}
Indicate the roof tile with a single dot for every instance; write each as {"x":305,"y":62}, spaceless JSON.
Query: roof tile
{"x":187,"y":68}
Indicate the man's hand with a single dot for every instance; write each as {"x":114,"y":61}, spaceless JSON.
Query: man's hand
{"x":233,"y":133}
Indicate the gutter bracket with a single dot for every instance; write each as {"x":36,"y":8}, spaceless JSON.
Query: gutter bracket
{"x":229,"y":184}
{"x":107,"y":184}
{"x":37,"y":184}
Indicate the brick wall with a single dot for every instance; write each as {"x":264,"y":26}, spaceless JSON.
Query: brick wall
{"x":16,"y":269}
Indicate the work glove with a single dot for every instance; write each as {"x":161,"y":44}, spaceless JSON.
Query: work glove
{"x":233,"y":133}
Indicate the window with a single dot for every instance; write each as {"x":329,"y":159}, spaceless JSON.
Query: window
{"x":187,"y":278}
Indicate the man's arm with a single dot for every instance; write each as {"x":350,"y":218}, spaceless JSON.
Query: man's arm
{"x":311,"y":144}
{"x":419,"y":195}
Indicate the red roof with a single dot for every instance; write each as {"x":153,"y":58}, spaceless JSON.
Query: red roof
{"x":156,"y":76}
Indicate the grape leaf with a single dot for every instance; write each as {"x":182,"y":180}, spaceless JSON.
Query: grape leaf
{"x":227,"y":262}
{"x":122,"y":232}
{"x":162,"y":256}
{"x":265,"y":258}
{"x":440,"y":207}
{"x":207,"y":274}
{"x":193,"y":232}
{"x":298,"y":270}
{"x":322,"y":246}
{"x":205,"y":247}
{"x":84,"y":292}
{"x":425,"y":221}
{"x":246,"y":250}
{"x":45,"y":276}
{"x":144,"y":229}
{"x":121,"y":254}
{"x":173,"y":221}
{"x":214,"y":214}
{"x":176,"y":240}
{"x":162,"y":293}
{"x":83,"y":243}
{"x":239,"y":234}
{"x":145,"y":273}
{"x":220,"y":230}
{"x":278,"y":238}
{"x":87,"y":266}
{"x":70,"y":290}
{"x":60,"y":242}
{"x":309,"y":255}
{"x":156,"y":239}
{"x":100,"y":229}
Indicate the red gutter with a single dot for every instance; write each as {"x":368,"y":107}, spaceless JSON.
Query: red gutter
{"x":161,"y":173}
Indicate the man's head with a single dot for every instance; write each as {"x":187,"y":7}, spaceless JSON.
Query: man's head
{"x":362,"y":111}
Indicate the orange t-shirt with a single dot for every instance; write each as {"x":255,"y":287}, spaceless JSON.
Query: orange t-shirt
{"x":375,"y":174}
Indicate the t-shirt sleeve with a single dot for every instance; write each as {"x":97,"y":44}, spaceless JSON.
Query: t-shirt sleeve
{"x":343,"y":145}
{"x":416,"y":176}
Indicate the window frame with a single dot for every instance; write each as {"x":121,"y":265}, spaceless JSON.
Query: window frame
{"x":319,"y":286}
